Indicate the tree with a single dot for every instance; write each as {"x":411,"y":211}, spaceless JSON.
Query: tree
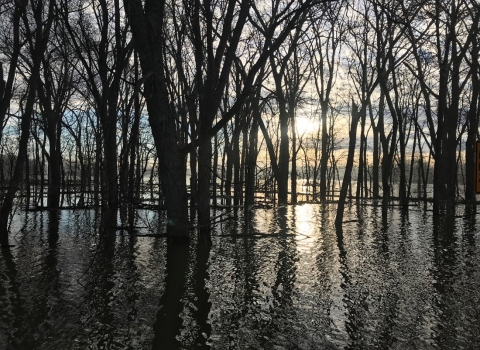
{"x":215,"y":50}
{"x":37,"y":38}
{"x":348,"y":167}
{"x":474,"y":111}
{"x":440,"y":50}
{"x":7,"y":86}
{"x":327,"y":40}
{"x":287,"y":88}
{"x":104,"y":62}
{"x":54,"y":91}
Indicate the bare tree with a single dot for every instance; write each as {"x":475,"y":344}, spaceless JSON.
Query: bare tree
{"x":328,"y":34}
{"x":37,"y":35}
{"x":15,"y":44}
{"x":104,"y":61}
{"x":440,"y":49}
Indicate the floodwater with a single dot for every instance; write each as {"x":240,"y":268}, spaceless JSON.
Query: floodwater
{"x":408,"y":282}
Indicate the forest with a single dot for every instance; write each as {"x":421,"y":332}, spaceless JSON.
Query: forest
{"x":285,"y":174}
{"x":201,"y":104}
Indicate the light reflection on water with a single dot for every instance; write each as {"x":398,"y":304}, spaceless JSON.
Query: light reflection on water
{"x":407,"y":282}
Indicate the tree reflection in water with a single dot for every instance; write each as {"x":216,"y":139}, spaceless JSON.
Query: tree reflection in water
{"x":407,"y":280}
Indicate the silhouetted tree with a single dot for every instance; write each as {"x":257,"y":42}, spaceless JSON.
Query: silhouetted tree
{"x":36,"y":35}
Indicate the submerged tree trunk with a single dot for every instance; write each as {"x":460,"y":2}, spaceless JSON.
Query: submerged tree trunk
{"x":147,"y":30}
{"x":229,"y":167}
{"x":293,"y":174}
{"x":18,"y":173}
{"x":54,"y":168}
{"x":388,"y":150}
{"x":204,"y":178}
{"x":250,"y":169}
{"x":324,"y":157}
{"x":348,"y":167}
{"x":236,"y":158}
{"x":375,"y":156}
{"x":110,"y":151}
{"x":361,"y":190}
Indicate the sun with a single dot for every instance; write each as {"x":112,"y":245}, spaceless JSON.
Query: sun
{"x":305,"y":125}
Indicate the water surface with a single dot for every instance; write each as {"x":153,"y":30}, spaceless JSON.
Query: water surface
{"x":280,"y":279}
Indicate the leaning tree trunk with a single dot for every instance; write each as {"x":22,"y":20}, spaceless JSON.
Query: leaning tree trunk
{"x":348,"y":168}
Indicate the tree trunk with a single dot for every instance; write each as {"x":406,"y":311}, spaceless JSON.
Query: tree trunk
{"x":17,"y":177}
{"x":361,"y":161}
{"x":324,"y":158}
{"x":229,"y":166}
{"x":147,"y":30}
{"x":54,"y":170}
{"x":283,"y":159}
{"x":403,"y":176}
{"x":348,"y":167}
{"x":250,"y":175}
{"x":214,"y":171}
{"x":473,"y":117}
{"x":204,"y":177}
{"x":375,"y":157}
{"x":293,"y":174}
{"x":236,"y":160}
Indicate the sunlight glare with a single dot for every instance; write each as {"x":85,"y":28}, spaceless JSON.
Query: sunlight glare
{"x":305,"y":226}
{"x":305,"y":125}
